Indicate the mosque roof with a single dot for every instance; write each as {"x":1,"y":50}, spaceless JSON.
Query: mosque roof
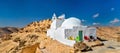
{"x":70,"y":22}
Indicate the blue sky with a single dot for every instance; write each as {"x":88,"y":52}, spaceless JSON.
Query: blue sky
{"x":19,"y":13}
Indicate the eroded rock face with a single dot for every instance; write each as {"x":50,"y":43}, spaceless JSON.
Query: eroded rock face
{"x":7,"y":46}
{"x":36,"y":26}
{"x":109,"y":33}
{"x":31,"y":49}
{"x":25,"y":41}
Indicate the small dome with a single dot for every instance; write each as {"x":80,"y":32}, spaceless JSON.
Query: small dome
{"x":69,"y":23}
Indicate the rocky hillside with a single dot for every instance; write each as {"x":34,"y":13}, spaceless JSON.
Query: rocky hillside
{"x":33,"y":39}
{"x":109,"y":33}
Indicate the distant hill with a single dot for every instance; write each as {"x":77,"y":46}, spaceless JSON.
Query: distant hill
{"x":109,"y":33}
{"x":7,"y":30}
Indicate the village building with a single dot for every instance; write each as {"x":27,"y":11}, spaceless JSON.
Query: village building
{"x":69,"y":31}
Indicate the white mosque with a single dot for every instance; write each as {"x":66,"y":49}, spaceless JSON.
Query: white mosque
{"x":69,"y":31}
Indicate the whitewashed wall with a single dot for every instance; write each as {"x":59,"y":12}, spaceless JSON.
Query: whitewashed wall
{"x":59,"y":22}
{"x":91,"y":31}
{"x":60,"y":36}
{"x":51,"y":33}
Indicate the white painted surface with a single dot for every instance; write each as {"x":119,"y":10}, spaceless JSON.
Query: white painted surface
{"x":67,"y":42}
{"x":53,"y":25}
{"x":61,"y":29}
{"x":62,"y":16}
{"x":54,"y":17}
{"x":69,"y":23}
{"x":91,"y":31}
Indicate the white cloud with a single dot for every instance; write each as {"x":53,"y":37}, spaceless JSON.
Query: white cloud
{"x":115,"y":21}
{"x":83,"y":20}
{"x":96,"y":23}
{"x":112,"y":9}
{"x":96,"y":15}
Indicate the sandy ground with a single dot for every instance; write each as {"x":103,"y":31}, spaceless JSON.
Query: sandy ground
{"x":109,"y":47}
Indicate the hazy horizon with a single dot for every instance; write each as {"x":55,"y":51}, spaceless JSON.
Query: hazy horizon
{"x":19,"y":13}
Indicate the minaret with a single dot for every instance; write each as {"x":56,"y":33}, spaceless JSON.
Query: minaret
{"x":54,"y":17}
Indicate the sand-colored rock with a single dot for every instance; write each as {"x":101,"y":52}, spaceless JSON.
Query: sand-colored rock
{"x":38,"y":50}
{"x":109,"y":33}
{"x":112,"y":51}
{"x":7,"y":46}
{"x":34,"y":33}
{"x":25,"y":41}
{"x":94,"y":43}
{"x":31,"y":49}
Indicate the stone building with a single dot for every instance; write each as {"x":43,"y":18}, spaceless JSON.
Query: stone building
{"x":68,"y":31}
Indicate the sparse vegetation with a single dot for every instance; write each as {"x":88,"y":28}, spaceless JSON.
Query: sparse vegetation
{"x":32,"y":36}
{"x":16,"y":39}
{"x":22,"y":43}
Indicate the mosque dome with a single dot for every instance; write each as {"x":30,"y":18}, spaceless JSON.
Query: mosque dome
{"x":70,"y":22}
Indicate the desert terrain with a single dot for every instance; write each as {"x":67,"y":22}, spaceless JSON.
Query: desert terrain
{"x":32,"y":39}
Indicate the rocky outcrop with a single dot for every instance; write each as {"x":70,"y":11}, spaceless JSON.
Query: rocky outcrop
{"x":36,"y":26}
{"x":27,"y":38}
{"x":109,"y":33}
{"x":8,"y":46}
{"x":32,"y":39}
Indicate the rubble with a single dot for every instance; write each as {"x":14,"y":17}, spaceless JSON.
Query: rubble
{"x":80,"y":46}
{"x":94,"y":43}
